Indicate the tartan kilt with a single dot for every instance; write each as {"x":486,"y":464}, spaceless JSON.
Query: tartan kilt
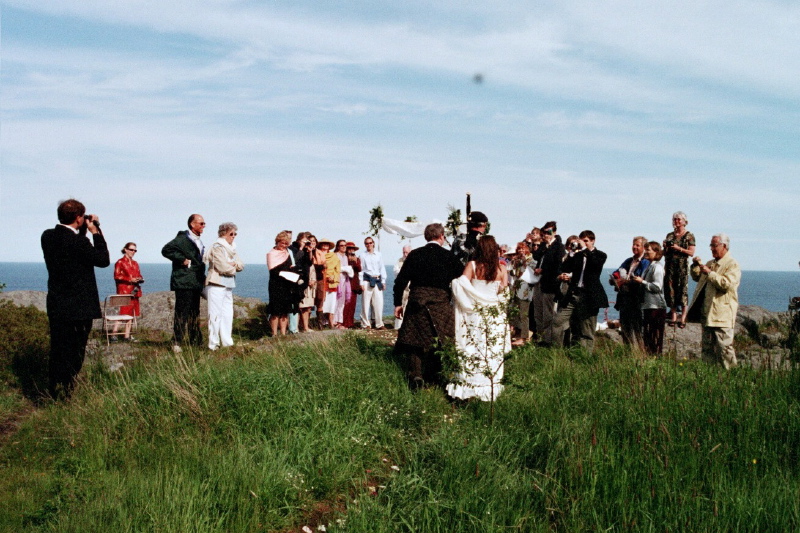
{"x":428,"y":315}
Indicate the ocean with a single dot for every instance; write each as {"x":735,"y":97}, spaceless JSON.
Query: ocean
{"x":767,"y":289}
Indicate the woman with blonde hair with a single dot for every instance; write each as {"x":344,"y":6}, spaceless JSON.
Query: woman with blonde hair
{"x":285,"y":283}
{"x":223,"y":264}
{"x":344,"y":293}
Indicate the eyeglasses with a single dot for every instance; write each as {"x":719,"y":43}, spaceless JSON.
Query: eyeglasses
{"x":132,"y":249}
{"x":368,"y":243}
{"x":233,"y":233}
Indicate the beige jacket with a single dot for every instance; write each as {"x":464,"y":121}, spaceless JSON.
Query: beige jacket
{"x":720,"y":286}
{"x":219,"y":264}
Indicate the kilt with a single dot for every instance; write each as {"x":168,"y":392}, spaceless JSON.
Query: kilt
{"x":429,"y":315}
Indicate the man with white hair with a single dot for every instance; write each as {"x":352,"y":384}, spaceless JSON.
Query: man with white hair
{"x":716,"y":301}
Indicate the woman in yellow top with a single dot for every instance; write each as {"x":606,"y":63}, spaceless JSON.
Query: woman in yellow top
{"x":333,"y":267}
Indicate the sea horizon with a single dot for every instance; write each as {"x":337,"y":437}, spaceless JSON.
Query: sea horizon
{"x":770,"y":289}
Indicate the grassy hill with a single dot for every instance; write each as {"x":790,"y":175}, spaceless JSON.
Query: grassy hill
{"x":278,"y":436}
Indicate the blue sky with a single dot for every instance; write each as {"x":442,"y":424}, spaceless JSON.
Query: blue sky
{"x":304,"y":115}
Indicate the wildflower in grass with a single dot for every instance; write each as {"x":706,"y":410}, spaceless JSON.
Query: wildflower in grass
{"x":755,"y":461}
{"x":395,"y":468}
{"x":307,"y":529}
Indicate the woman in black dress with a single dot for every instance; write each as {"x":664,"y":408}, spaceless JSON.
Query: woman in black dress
{"x":285,"y":284}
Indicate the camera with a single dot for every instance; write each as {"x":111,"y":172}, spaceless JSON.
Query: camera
{"x":574,"y":246}
{"x":88,"y":219}
{"x":668,"y":244}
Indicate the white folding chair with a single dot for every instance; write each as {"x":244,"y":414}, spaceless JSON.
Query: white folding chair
{"x":112,"y":318}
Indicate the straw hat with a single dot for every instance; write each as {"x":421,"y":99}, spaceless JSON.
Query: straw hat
{"x":328,"y":241}
{"x":351,"y":244}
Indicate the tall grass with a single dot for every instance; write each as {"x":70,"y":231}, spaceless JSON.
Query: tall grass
{"x":273,"y":440}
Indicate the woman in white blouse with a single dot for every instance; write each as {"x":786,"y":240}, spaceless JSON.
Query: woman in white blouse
{"x":654,"y":306}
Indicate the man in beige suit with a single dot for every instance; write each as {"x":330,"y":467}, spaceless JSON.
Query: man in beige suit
{"x":716,"y":301}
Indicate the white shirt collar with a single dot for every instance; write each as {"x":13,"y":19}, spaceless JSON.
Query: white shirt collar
{"x":74,"y":230}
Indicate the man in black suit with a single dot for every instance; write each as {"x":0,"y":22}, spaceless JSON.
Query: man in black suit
{"x":428,"y":315}
{"x":72,"y":299}
{"x":585,"y":296}
{"x":188,"y":277}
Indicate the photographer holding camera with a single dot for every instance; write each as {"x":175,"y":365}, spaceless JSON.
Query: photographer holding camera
{"x":72,"y":298}
{"x":715,"y":302}
{"x":546,"y":293}
{"x":577,"y":310}
{"x":300,"y":249}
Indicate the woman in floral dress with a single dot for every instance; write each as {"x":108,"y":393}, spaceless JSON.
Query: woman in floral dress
{"x":678,"y":248}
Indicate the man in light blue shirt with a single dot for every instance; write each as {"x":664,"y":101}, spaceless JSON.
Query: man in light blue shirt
{"x":373,"y":281}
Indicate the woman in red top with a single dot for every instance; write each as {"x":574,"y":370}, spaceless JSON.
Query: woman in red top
{"x":128,"y":278}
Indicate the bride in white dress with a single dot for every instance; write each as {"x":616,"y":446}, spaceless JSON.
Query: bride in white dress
{"x":482,"y":333}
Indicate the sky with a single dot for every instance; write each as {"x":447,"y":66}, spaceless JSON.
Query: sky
{"x":305,"y":115}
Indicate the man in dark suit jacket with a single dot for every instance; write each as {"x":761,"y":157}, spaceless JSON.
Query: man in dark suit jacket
{"x":585,"y":296}
{"x":187,"y":281}
{"x":72,"y":299}
{"x":428,"y":316}
{"x":546,"y":293}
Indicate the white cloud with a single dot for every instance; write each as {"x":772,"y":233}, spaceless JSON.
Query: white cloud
{"x":248,"y":110}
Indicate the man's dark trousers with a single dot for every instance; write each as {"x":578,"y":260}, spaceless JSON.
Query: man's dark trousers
{"x":186,"y":326}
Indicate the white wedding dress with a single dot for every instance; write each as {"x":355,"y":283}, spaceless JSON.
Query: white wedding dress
{"x":482,"y":338}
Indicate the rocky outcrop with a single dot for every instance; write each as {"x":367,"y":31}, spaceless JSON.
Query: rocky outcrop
{"x":157,"y":307}
{"x":759,"y":348}
{"x":757,"y":345}
{"x":38,"y":299}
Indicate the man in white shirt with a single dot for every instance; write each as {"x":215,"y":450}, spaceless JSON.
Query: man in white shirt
{"x":373,"y":281}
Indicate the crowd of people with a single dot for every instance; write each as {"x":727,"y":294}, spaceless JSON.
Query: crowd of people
{"x":478,"y":294}
{"x":649,"y":286}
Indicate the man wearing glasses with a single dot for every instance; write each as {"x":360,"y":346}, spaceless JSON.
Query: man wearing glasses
{"x":717,"y":301}
{"x":188,"y":277}
{"x":373,"y":280}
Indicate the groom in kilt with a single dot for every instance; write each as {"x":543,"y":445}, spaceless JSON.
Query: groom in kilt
{"x":429,"y":318}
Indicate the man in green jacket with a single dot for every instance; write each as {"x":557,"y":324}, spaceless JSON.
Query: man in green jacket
{"x":716,"y":297}
{"x":186,"y":252}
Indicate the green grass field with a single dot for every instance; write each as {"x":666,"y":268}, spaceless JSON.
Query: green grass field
{"x":327,"y":434}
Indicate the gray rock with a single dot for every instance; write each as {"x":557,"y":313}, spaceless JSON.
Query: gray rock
{"x":38,"y":299}
{"x":766,"y":351}
{"x":156,"y":307}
